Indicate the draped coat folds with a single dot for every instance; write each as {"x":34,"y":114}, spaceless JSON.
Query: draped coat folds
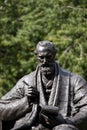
{"x":68,"y":93}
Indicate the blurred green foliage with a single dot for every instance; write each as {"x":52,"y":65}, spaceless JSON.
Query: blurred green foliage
{"x":25,"y":22}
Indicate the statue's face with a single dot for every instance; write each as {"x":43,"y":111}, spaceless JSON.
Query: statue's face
{"x":46,"y":61}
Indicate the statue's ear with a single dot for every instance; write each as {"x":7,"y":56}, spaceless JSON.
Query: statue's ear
{"x":35,"y":52}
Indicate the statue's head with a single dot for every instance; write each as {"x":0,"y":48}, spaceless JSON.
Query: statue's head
{"x":45,"y":51}
{"x":45,"y":46}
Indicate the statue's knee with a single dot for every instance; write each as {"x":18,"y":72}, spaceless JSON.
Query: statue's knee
{"x":65,"y":127}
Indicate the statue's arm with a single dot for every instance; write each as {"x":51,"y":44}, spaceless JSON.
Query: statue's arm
{"x":79,"y":115}
{"x":13,"y":110}
{"x":14,"y":104}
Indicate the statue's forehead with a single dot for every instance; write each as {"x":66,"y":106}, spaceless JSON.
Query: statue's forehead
{"x":44,"y":53}
{"x":44,"y":49}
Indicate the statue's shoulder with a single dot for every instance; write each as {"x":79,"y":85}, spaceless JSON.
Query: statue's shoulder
{"x":69,"y":73}
{"x":65,"y":72}
{"x":72,"y":75}
{"x":29,"y":78}
{"x":75,"y":79}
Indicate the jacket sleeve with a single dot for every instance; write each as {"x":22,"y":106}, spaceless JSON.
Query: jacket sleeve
{"x":14,"y":104}
{"x":79,"y":107}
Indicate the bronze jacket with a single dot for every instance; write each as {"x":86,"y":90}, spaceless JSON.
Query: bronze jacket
{"x":69,"y":93}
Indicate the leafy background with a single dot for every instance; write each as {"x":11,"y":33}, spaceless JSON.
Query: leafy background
{"x":25,"y":22}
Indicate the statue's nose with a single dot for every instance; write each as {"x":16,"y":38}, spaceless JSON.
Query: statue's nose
{"x":45,"y":60}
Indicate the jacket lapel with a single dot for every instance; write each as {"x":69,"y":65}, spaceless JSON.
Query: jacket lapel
{"x":62,"y":96}
{"x":55,"y":88}
{"x":42,"y":99}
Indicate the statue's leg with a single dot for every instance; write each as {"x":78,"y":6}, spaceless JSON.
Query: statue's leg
{"x":65,"y":127}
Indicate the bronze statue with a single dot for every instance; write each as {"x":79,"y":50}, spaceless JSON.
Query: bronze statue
{"x":50,"y":98}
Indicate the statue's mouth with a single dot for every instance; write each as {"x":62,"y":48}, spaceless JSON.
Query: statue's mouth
{"x":45,"y":69}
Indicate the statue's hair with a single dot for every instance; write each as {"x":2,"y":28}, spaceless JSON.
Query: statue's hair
{"x":44,"y":43}
{"x":49,"y":45}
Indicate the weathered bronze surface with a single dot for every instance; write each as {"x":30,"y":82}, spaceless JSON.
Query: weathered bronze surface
{"x":50,"y":98}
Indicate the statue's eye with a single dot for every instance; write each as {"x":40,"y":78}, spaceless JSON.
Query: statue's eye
{"x":41,"y":57}
{"x":49,"y":57}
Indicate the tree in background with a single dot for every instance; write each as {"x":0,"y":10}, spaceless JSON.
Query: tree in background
{"x":24,"y":23}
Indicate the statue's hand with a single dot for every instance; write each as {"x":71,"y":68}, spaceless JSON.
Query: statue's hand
{"x":53,"y":120}
{"x":51,"y":115}
{"x":31,"y":93}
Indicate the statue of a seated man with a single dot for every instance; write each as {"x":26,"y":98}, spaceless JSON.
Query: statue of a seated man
{"x":50,"y":98}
